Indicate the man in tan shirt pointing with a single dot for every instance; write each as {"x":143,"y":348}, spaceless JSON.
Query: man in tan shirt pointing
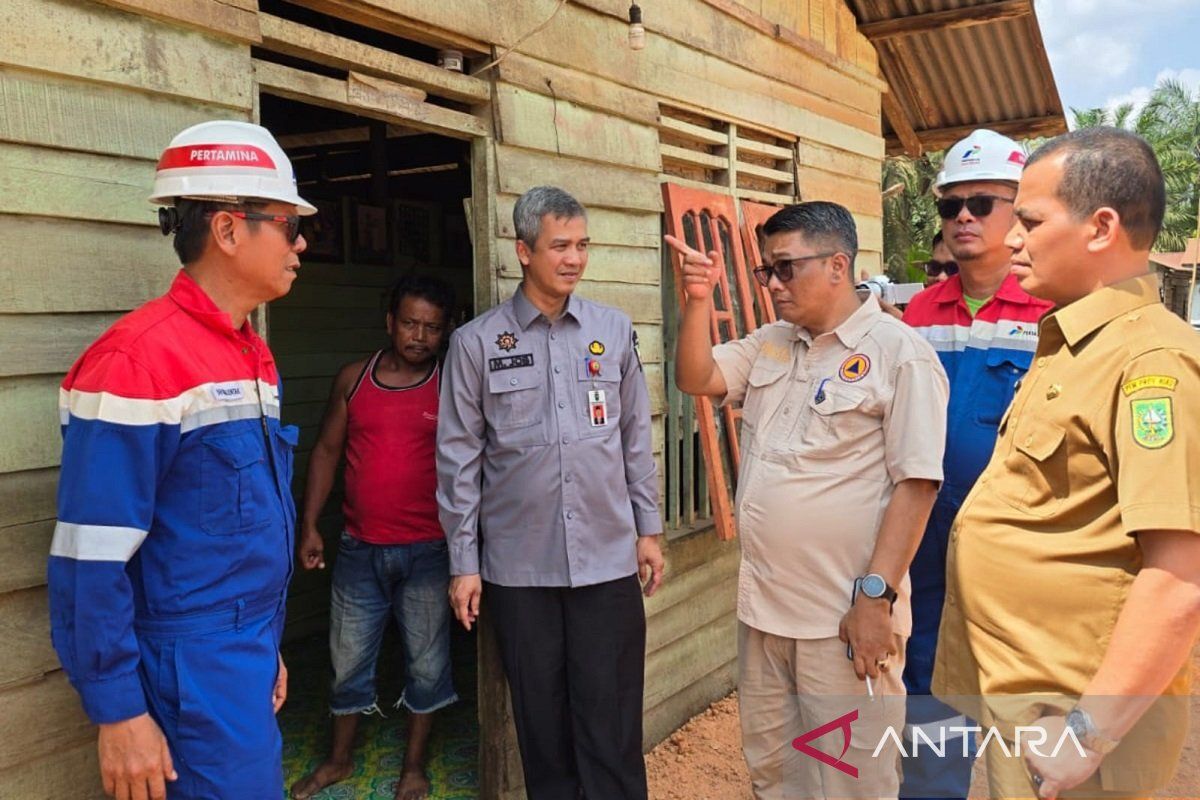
{"x":842,"y":434}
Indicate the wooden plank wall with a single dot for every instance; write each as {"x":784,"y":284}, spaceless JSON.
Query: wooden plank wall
{"x":79,"y":139}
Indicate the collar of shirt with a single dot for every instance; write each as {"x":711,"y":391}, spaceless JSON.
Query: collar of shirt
{"x":1092,"y":312}
{"x":188,"y":295}
{"x":852,"y":329}
{"x":1010,"y":291}
{"x":527,"y":312}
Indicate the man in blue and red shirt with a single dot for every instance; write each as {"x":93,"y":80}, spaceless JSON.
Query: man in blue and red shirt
{"x":170,"y":562}
{"x":391,"y":558}
{"x":984,"y":328}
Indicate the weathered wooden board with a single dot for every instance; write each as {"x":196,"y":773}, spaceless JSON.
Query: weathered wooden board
{"x":57,"y":183}
{"x":49,"y":265}
{"x":579,"y":88}
{"x":687,"y":67}
{"x":714,"y":600}
{"x":861,"y":197}
{"x":40,"y":344}
{"x":72,"y":771}
{"x":367,"y":96}
{"x":696,"y":26}
{"x":27,"y":496}
{"x":29,"y":408}
{"x":608,"y":263}
{"x":25,"y":628}
{"x":54,"y":111}
{"x":870,"y":232}
{"x":217,"y":17}
{"x":86,"y":40}
{"x":688,"y":582}
{"x":592,"y":184}
{"x":537,"y":121}
{"x":24,"y":549}
{"x":465,"y":24}
{"x":605,"y":225}
{"x":49,"y":717}
{"x":674,"y":667}
{"x":291,"y":38}
{"x":660,"y":721}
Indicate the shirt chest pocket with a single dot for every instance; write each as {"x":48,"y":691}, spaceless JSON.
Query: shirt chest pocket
{"x":597,"y":398}
{"x":762,"y":383}
{"x":1037,"y":481}
{"x":235,"y":484}
{"x":999,"y":384}
{"x":514,"y":405}
{"x":838,"y":423}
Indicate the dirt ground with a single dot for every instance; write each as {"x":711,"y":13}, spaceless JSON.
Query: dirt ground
{"x":703,"y":759}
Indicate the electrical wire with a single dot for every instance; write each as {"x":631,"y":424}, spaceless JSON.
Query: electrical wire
{"x":521,"y":40}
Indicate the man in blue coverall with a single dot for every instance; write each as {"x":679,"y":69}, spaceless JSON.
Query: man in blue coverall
{"x":170,"y":561}
{"x":984,"y":328}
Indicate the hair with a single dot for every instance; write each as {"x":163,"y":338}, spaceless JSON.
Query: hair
{"x":192,"y":228}
{"x":817,"y":220}
{"x":424,"y":287}
{"x":937,"y":239}
{"x":1110,"y":167}
{"x":537,"y":203}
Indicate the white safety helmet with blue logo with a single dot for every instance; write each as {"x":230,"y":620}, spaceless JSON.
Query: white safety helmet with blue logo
{"x":983,"y":156}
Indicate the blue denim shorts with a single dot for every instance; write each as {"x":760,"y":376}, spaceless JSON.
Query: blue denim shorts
{"x":410,"y":582}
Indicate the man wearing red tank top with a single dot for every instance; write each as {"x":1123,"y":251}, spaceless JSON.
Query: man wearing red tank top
{"x":392,"y":557}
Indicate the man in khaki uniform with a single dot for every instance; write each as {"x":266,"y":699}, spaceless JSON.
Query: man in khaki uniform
{"x":842,"y":433}
{"x":1074,"y":565}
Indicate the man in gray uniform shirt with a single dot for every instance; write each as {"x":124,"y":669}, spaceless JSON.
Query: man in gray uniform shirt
{"x":549,"y":498}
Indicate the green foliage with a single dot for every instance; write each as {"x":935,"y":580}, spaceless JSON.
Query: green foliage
{"x":909,"y":216}
{"x":1170,"y":122}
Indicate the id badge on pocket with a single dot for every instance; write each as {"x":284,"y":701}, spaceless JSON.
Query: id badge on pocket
{"x":597,"y":408}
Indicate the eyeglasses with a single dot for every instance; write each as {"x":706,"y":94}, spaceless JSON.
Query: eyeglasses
{"x":980,"y":205}
{"x":785,"y":268}
{"x":933,"y":268}
{"x":291,"y":221}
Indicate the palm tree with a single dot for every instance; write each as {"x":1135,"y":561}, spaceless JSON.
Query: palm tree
{"x":1170,"y":122}
{"x":909,"y":215}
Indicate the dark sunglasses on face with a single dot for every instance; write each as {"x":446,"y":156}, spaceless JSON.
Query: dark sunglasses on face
{"x":979,"y":205}
{"x":784,"y":268}
{"x":934,"y":268}
{"x":291,"y":222}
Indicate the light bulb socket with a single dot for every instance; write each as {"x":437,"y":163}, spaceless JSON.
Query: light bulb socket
{"x":635,"y":14}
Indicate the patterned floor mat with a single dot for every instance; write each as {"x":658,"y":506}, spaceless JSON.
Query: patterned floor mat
{"x":379,"y":749}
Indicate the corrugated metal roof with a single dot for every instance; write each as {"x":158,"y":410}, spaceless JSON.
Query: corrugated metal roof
{"x":950,"y":75}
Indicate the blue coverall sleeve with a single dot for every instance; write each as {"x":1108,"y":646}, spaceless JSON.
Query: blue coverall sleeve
{"x":119,"y":434}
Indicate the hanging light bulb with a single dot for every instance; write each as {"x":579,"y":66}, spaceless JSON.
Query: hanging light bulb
{"x":637,"y":33}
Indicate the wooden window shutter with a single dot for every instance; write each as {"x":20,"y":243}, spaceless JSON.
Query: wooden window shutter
{"x":708,"y":221}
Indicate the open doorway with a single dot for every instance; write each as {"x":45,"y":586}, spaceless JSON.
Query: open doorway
{"x":392,"y":201}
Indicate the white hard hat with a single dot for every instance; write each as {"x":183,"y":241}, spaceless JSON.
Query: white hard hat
{"x":229,"y":161}
{"x":983,"y":156}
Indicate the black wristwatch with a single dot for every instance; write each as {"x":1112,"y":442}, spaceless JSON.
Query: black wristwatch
{"x":873,"y":585}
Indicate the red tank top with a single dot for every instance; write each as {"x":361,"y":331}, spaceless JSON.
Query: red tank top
{"x":391,"y":475}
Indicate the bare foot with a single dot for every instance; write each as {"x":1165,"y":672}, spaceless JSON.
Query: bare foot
{"x":413,"y":785}
{"x":328,"y":772}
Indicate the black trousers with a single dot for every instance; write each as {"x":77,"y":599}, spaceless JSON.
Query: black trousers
{"x":575,"y":662}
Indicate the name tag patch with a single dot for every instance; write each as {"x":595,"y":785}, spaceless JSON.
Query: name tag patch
{"x":1150,"y":382}
{"x":228,"y":392}
{"x":510,"y":362}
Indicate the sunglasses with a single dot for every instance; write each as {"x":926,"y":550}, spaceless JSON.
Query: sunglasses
{"x":934,"y":268}
{"x":979,"y":205}
{"x":785,"y":268}
{"x":290,"y":221}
